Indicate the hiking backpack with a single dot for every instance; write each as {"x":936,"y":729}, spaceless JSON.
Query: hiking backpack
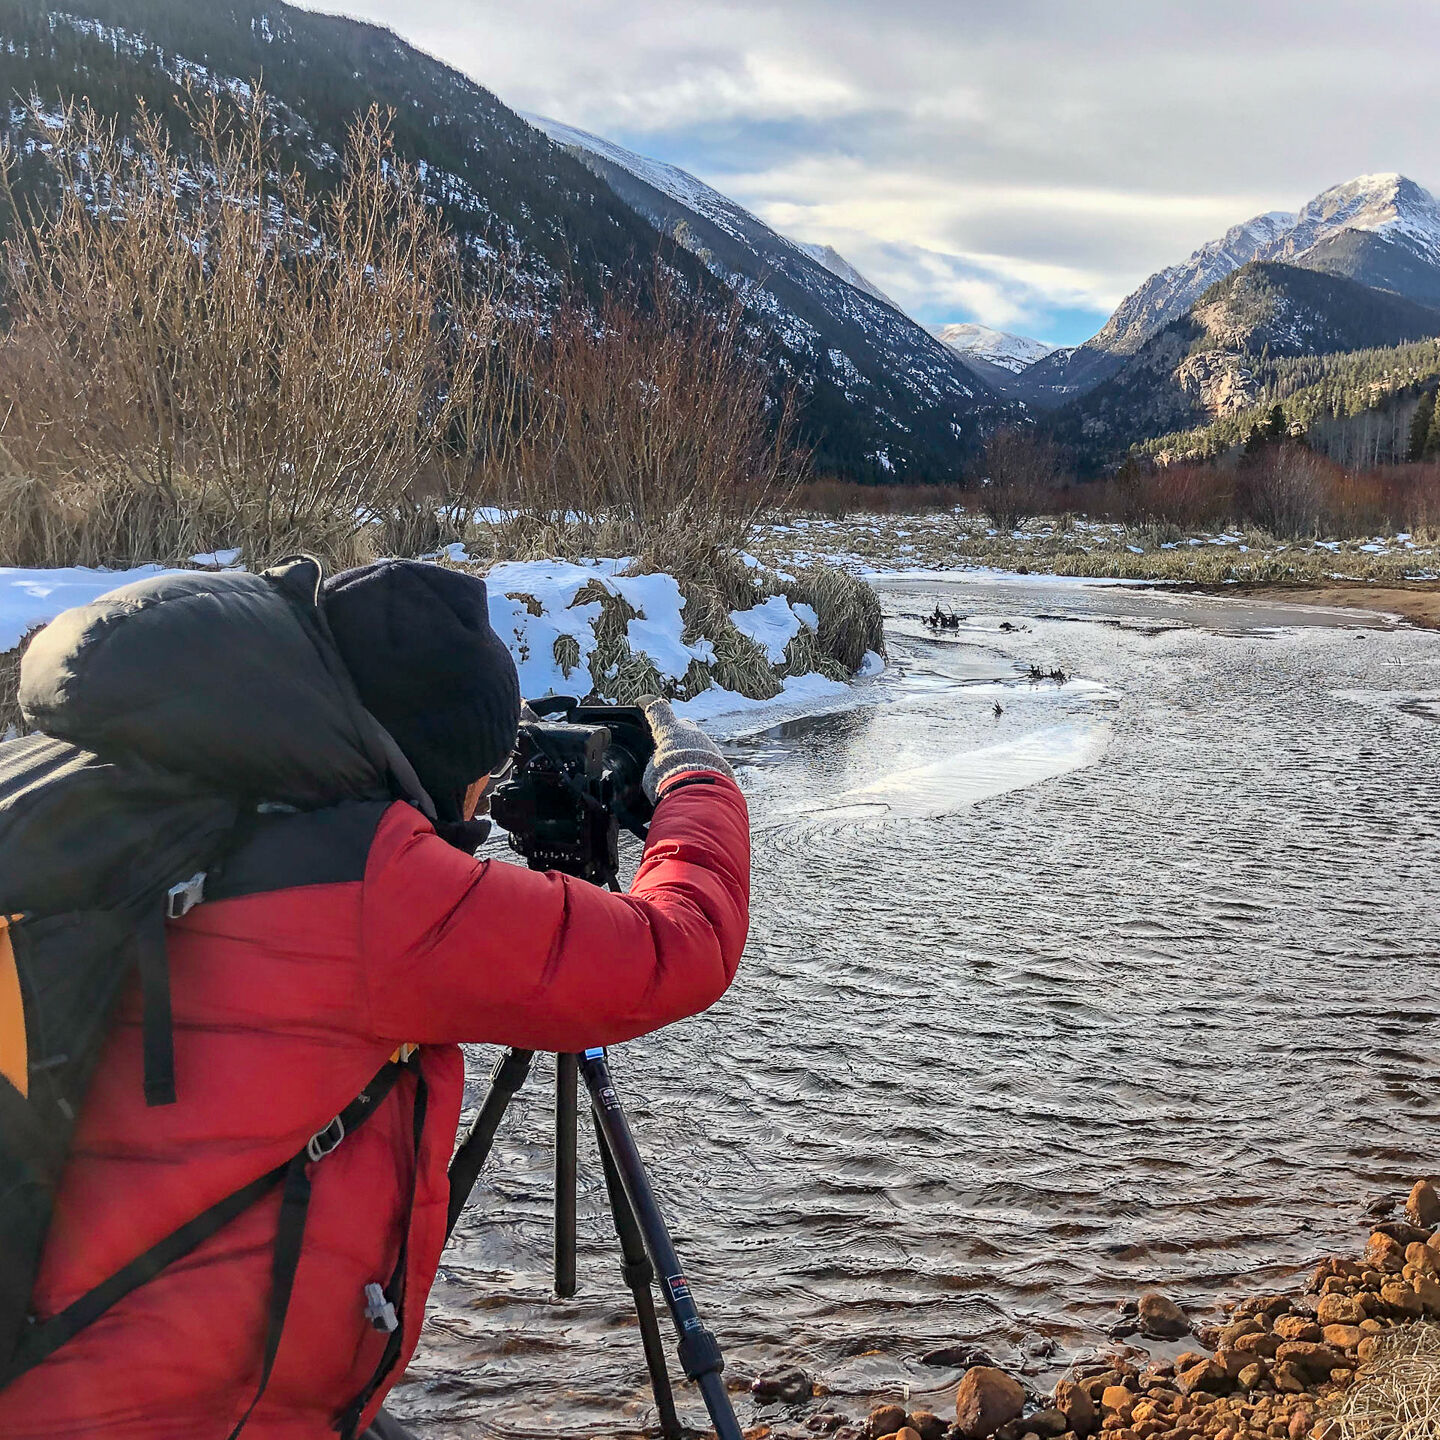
{"x":171,"y":712}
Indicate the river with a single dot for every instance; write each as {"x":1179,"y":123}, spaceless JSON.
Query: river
{"x":1055,"y":992}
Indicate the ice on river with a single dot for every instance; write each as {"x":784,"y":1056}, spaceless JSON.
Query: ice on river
{"x":967,"y":777}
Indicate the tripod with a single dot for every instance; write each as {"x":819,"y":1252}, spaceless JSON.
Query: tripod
{"x":645,"y":1243}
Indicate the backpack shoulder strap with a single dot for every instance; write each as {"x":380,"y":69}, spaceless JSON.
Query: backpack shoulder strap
{"x":44,"y":1338}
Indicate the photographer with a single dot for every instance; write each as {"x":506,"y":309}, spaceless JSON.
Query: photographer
{"x":342,"y":930}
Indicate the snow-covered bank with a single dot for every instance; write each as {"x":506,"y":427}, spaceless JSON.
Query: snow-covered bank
{"x":578,"y":628}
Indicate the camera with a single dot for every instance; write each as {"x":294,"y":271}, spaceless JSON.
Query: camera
{"x":575,"y":782}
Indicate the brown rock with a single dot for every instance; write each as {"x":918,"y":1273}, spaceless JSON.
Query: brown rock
{"x":1343,"y":1337}
{"x":1366,"y":1350}
{"x":1385,"y":1253}
{"x":1326,"y":1430}
{"x":1252,"y":1375}
{"x":1186,"y":1358}
{"x":1423,"y":1257}
{"x":1339,"y":1310}
{"x":885,"y":1420}
{"x":1286,"y":1376}
{"x":1371,"y":1326}
{"x":906,"y":1433}
{"x":1313,"y":1359}
{"x":1261,"y":1342}
{"x":1423,"y":1206}
{"x":789,"y":1384}
{"x":1240,"y":1329}
{"x":988,"y":1398}
{"x":1342,"y":1377}
{"x":1161,"y":1318}
{"x":1047,"y":1423}
{"x":929,"y":1426}
{"x":1401,"y":1297}
{"x":1118,"y":1400}
{"x":1296,"y":1327}
{"x":1095,"y":1385}
{"x":1301,"y":1419}
{"x":1207,"y":1375}
{"x":1077,"y":1406}
{"x":1427,"y":1291}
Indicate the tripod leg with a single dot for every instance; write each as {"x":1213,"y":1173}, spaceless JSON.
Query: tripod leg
{"x":700,"y":1355}
{"x":468,"y":1161}
{"x":639,"y":1274}
{"x":566,"y":1080}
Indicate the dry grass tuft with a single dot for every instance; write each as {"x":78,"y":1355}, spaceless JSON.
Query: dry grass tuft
{"x":851,"y":621}
{"x":1396,"y":1395}
{"x":12,"y":722}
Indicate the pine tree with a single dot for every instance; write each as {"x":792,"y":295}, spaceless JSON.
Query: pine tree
{"x":1276,"y":427}
{"x":1420,"y":429}
{"x":1432,"y":444}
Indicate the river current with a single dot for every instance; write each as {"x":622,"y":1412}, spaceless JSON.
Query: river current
{"x":1055,"y":992}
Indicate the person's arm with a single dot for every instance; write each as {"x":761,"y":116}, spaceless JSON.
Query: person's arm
{"x":460,"y":950}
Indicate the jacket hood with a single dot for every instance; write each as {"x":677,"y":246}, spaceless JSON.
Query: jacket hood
{"x":231,"y":679}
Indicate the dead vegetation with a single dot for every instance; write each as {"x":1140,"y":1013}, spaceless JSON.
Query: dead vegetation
{"x":1396,"y":1395}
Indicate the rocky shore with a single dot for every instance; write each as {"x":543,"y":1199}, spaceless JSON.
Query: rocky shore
{"x":1270,"y":1367}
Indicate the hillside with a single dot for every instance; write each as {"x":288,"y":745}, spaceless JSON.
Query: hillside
{"x":1382,"y":231}
{"x":876,"y":401}
{"x":922,"y":399}
{"x":997,"y":347}
{"x":1355,"y":407}
{"x":1217,"y":360}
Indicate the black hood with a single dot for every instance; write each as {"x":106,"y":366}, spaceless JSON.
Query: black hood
{"x":231,"y":679}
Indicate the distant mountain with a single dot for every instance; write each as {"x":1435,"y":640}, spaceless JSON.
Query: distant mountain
{"x":924,"y":405}
{"x":837,"y":264}
{"x":1380,"y":230}
{"x":1222,"y":357}
{"x":998,"y":347}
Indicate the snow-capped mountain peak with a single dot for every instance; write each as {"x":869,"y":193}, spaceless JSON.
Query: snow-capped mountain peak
{"x":1380,"y":204}
{"x":999,"y":347}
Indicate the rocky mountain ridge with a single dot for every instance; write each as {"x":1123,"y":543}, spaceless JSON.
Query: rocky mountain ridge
{"x":1382,"y":231}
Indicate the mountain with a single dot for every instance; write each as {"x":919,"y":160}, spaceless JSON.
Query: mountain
{"x":837,"y":264}
{"x":1379,"y":230}
{"x":1222,"y":357}
{"x":997,"y":347}
{"x":880,"y":397}
{"x":924,"y":402}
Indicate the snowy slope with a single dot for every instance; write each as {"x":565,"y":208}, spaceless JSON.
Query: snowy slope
{"x":837,"y":264}
{"x":926,"y":402}
{"x":1170,"y":292}
{"x":999,"y":347}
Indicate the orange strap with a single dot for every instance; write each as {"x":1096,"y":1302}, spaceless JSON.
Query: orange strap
{"x":14,"y":1049}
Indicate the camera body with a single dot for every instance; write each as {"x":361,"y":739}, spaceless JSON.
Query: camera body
{"x":576,"y":782}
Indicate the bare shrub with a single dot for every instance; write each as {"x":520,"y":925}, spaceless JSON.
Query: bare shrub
{"x":1284,"y":490}
{"x":202,"y":353}
{"x":1023,"y":470}
{"x":837,"y":498}
{"x":645,"y":428}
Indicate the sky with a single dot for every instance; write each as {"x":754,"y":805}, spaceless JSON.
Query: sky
{"x":1018,"y":163}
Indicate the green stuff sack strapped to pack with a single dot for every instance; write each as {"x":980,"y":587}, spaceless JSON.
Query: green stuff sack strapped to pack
{"x":169,"y":713}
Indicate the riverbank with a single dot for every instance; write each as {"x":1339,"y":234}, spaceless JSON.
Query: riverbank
{"x":1416,"y":604}
{"x":1075,"y":546}
{"x":1353,"y":1354}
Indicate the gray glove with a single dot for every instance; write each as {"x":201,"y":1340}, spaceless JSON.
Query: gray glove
{"x":680,"y":745}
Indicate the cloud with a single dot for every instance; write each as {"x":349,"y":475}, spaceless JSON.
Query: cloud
{"x":1033,"y":158}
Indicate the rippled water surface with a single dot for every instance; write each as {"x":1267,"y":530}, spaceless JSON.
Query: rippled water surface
{"x":1054,"y":992}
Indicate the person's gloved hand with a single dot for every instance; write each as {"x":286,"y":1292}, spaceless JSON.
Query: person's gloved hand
{"x":680,"y":745}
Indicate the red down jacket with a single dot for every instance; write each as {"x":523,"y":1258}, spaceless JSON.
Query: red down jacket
{"x":286,"y":1003}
